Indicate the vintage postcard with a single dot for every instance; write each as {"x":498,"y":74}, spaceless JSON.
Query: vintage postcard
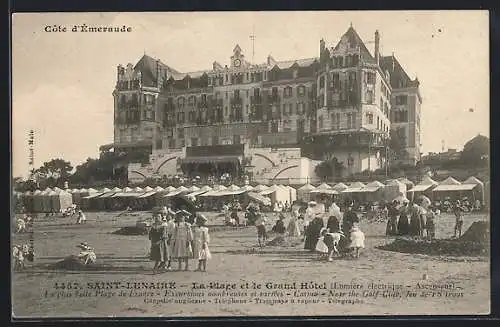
{"x":250,"y":164}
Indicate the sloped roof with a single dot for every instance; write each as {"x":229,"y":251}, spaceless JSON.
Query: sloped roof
{"x":375,"y":184}
{"x":147,"y":66}
{"x":324,"y":186}
{"x":450,"y":181}
{"x":356,"y":185}
{"x":340,"y":186}
{"x":473,"y":180}
{"x":398,"y":76}
{"x":355,"y":41}
{"x":197,"y":74}
{"x":300,"y":62}
{"x":428,"y":181}
{"x":307,"y":187}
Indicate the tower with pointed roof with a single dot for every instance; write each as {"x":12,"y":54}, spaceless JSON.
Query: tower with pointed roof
{"x":353,"y":104}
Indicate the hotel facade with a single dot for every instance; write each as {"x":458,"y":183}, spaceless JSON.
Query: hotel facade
{"x":273,"y":121}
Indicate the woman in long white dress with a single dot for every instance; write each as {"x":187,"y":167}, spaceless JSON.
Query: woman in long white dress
{"x":182,"y":238}
{"x":293,"y":226}
{"x":201,"y":239}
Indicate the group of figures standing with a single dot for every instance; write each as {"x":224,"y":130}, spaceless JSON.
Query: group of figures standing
{"x":173,"y":238}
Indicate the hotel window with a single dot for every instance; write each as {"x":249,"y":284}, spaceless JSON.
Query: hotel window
{"x":401,"y":100}
{"x":225,"y":111}
{"x":180,"y":133}
{"x":337,"y":120}
{"x":340,"y":61}
{"x":180,"y":117}
{"x":227,"y":78}
{"x":284,"y":109}
{"x":204,"y":98}
{"x":180,"y":102}
{"x":171,"y":143}
{"x":301,"y":90}
{"x":320,"y":122}
{"x":226,"y":95}
{"x":256,"y":93}
{"x":194,"y":141}
{"x":295,"y":73}
{"x":170,"y":132}
{"x":290,"y":109}
{"x":355,"y":60}
{"x":236,"y":94}
{"x":370,"y":78}
{"x":336,"y":81}
{"x":381,"y":104}
{"x":370,"y":99}
{"x":369,"y":118}
{"x":274,"y":92}
{"x":378,"y":123}
{"x":321,"y":82}
{"x":236,"y":139}
{"x":248,"y":77}
{"x":287,"y":91}
{"x":215,"y":140}
{"x":353,"y":123}
{"x":300,"y":108}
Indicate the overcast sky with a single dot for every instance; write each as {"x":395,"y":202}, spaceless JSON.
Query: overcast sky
{"x":62,"y":82}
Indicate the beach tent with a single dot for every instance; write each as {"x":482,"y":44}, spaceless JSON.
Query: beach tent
{"x":293,"y":193}
{"x":247,"y":187}
{"x":193,"y":188}
{"x":260,"y":188}
{"x":354,"y":188}
{"x":277,"y":194}
{"x":373,"y":191}
{"x":394,"y":190}
{"x":170,"y":189}
{"x":409,"y":184}
{"x":452,"y":188}
{"x":340,"y":187}
{"x":263,"y":200}
{"x":304,"y":192}
{"x":61,"y":200}
{"x":206,"y":188}
{"x":127,"y":189}
{"x":138,"y":190}
{"x":37,"y":201}
{"x":426,"y":184}
{"x":480,"y":194}
{"x":148,"y":189}
{"x":159,"y":189}
{"x":324,"y":189}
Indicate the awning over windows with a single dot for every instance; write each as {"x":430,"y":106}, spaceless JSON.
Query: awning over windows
{"x":210,"y":160}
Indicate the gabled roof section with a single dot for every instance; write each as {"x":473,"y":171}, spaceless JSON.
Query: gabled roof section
{"x":147,"y":65}
{"x":399,"y":78}
{"x":355,"y":41}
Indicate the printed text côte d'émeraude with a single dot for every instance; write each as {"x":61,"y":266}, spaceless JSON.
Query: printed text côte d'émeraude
{"x":84,"y":28}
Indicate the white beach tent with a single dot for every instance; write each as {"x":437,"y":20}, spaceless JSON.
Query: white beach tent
{"x":148,"y":189}
{"x":475,"y":181}
{"x":340,"y":187}
{"x":324,"y":189}
{"x":354,"y":188}
{"x":304,"y":192}
{"x":247,"y":187}
{"x":61,"y":200}
{"x":395,"y":190}
{"x":260,"y":188}
{"x":426,"y":184}
{"x":293,"y":193}
{"x":46,"y":202}
{"x":37,"y":201}
{"x":159,"y":189}
{"x":170,"y":189}
{"x":193,"y":188}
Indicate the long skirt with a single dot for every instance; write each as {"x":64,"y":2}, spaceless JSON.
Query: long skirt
{"x":159,"y":251}
{"x":182,"y":250}
{"x":293,"y":228}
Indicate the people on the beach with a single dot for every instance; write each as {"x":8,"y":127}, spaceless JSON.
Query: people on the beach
{"x":321,"y":246}
{"x":293,"y":228}
{"x":159,"y":237}
{"x":80,"y":219}
{"x":87,"y":254}
{"x":458,"y":211}
{"x":182,"y":238}
{"x":357,"y":240}
{"x":313,"y":233}
{"x":260,"y":224}
{"x":201,"y":250}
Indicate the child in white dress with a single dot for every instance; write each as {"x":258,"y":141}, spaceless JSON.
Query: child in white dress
{"x":321,"y":246}
{"x":201,"y":240}
{"x":357,"y":240}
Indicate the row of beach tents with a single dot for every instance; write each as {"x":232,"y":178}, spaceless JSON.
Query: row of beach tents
{"x":56,"y":199}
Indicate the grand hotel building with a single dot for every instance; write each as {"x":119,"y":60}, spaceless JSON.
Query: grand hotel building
{"x":273,"y":121}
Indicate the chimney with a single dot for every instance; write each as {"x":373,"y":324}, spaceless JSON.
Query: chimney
{"x":321,"y":46}
{"x":377,"y":47}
